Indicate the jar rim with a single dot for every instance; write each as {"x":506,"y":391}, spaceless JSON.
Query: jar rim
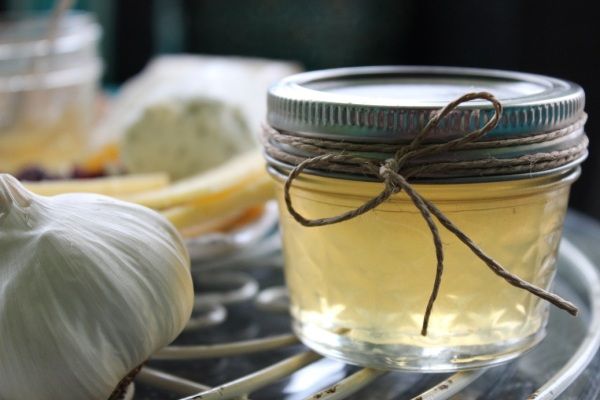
{"x":76,"y":30}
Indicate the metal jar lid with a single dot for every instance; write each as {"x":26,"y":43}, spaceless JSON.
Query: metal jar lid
{"x":391,"y":104}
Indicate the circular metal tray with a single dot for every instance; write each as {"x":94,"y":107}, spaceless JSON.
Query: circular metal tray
{"x":238,"y":344}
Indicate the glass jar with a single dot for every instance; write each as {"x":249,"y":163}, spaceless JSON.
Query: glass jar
{"x":47,"y":90}
{"x":359,"y":288}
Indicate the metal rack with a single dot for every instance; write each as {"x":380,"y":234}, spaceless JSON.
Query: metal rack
{"x":211,"y":311}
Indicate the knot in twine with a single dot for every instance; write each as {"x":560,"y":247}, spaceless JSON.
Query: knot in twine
{"x":389,"y":172}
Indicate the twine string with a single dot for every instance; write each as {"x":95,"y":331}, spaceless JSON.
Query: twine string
{"x":393,"y":181}
{"x":276,"y":143}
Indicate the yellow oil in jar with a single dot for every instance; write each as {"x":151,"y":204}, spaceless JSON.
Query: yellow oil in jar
{"x":359,"y":288}
{"x":53,"y":145}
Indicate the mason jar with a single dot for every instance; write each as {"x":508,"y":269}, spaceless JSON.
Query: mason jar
{"x":48,"y":90}
{"x":359,"y":288}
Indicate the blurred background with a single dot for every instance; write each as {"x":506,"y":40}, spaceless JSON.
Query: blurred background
{"x":561,"y":39}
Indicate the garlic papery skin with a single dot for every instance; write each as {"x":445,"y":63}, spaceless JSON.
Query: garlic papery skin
{"x":90,"y":288}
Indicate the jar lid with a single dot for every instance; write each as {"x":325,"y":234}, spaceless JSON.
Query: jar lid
{"x":371,"y":113}
{"x":29,"y":61}
{"x":393,"y":103}
{"x":26,"y":35}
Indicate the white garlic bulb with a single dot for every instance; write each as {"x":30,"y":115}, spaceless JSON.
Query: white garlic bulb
{"x":90,"y":287}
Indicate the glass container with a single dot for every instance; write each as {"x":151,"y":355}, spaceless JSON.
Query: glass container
{"x":47,"y":90}
{"x":359,"y":288}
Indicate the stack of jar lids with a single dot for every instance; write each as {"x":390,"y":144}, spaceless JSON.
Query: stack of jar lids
{"x":370,"y":112}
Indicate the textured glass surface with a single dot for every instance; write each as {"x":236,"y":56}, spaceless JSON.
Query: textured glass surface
{"x":363,"y":285}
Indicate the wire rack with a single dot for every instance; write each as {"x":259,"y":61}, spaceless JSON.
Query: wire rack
{"x":173,"y":371}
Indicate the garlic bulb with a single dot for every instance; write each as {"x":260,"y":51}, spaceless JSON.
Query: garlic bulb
{"x":90,"y":287}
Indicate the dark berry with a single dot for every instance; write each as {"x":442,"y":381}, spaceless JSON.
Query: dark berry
{"x":32,"y":173}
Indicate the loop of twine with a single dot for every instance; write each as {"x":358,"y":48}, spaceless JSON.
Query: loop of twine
{"x":388,"y":172}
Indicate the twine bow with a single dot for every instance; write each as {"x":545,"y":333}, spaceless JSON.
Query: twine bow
{"x":389,"y":172}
